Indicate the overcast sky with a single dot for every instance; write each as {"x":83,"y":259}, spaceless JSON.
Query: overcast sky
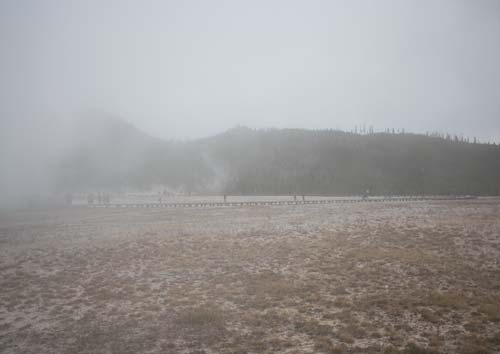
{"x":185,"y":69}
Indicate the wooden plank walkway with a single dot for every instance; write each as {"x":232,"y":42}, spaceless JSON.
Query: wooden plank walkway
{"x":273,"y":202}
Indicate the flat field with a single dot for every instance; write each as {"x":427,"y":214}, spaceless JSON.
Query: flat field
{"x":395,"y":277}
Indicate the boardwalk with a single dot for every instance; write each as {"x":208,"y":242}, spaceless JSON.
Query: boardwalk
{"x":214,"y":204}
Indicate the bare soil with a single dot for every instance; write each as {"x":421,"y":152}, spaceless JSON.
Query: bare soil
{"x":421,"y":277}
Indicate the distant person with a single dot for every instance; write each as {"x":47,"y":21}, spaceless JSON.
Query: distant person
{"x":225,"y":198}
{"x":303,"y":198}
{"x":294,"y":198}
{"x":68,"y":198}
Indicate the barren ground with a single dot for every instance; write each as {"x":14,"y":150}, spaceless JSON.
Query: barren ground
{"x":421,"y":277}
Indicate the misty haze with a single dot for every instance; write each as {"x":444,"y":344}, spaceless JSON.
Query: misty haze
{"x":250,"y":176}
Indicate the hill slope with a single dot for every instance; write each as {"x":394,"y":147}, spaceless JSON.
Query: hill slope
{"x":289,"y":161}
{"x":110,"y":153}
{"x":334,"y":162}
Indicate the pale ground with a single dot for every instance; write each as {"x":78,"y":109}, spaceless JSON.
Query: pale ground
{"x":371,"y":278}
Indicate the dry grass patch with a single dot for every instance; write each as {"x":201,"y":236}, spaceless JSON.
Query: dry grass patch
{"x":413,"y":348}
{"x":197,"y":318}
{"x":475,"y":345}
{"x":314,"y":328}
{"x":449,"y":300}
{"x":270,"y":285}
{"x":429,"y":315}
{"x":491,"y":309}
{"x":324,"y":345}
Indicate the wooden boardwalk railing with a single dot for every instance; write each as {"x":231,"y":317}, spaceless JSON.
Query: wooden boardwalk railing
{"x":274,"y":202}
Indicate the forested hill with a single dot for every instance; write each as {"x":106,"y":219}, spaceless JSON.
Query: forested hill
{"x":287,"y":161}
{"x":336,"y":163}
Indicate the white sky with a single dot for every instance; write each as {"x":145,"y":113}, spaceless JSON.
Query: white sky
{"x":186,"y":69}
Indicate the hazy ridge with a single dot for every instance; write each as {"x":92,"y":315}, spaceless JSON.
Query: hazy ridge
{"x":114,"y":154}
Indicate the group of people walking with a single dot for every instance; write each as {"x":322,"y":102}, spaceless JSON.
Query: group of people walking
{"x":101,"y":198}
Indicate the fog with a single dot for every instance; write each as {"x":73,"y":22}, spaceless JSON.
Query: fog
{"x":249,"y":176}
{"x":184,"y":70}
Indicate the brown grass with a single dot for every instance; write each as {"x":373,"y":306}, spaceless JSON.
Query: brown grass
{"x":415,"y":278}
